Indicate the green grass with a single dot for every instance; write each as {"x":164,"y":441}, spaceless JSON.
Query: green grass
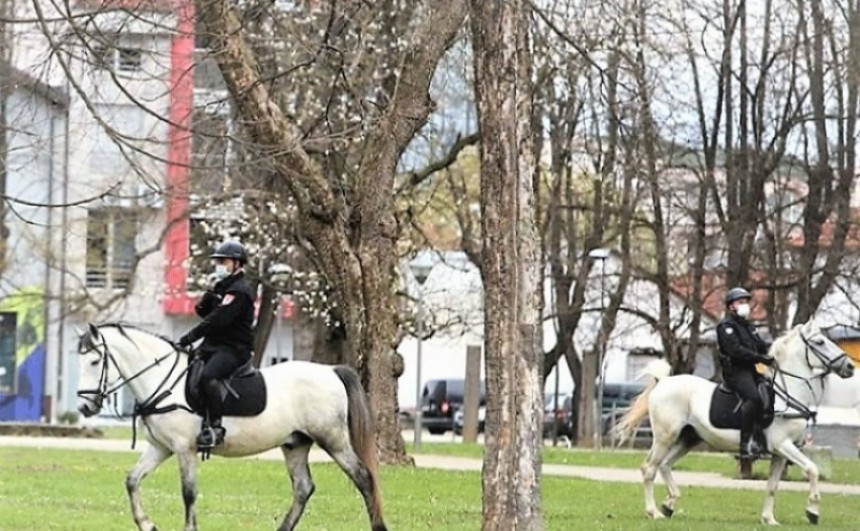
{"x":844,"y":470}
{"x":70,"y":491}
{"x":116,"y":432}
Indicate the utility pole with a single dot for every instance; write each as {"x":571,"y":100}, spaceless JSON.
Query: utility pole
{"x":6,"y":11}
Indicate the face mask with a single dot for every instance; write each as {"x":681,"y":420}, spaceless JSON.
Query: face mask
{"x":744,"y":310}
{"x":221,"y":272}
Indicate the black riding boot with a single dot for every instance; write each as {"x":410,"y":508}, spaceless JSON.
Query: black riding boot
{"x":750,"y":447}
{"x":211,"y":434}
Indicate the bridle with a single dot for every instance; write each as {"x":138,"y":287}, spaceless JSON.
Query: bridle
{"x":150,"y":404}
{"x":829,"y":365}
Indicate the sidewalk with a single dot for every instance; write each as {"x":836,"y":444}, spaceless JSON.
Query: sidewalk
{"x":622,"y":475}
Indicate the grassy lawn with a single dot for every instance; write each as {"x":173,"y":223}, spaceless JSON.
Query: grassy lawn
{"x":844,"y":470}
{"x":68,"y":490}
{"x":117,"y":432}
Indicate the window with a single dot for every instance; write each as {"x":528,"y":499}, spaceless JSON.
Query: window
{"x":128,"y":59}
{"x":107,"y":56}
{"x":110,"y":247}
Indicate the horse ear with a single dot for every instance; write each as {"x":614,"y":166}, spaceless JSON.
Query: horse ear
{"x":78,"y":331}
{"x":94,"y":332}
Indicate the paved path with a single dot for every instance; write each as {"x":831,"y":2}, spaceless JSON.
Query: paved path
{"x":623,"y":475}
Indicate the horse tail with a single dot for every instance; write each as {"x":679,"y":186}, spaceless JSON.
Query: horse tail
{"x":626,"y":428}
{"x":362,"y":435}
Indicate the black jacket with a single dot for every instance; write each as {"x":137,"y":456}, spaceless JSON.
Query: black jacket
{"x":740,"y":345}
{"x":228,"y":315}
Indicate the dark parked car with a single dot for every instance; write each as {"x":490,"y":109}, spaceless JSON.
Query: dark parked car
{"x":617,"y":397}
{"x":563,"y":415}
{"x":440,"y":400}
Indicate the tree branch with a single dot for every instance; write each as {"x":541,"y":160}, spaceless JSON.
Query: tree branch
{"x":415,"y":178}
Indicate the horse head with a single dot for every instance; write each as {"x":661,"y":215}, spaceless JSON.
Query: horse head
{"x":806,"y":348}
{"x":112,"y":352}
{"x":94,"y":370}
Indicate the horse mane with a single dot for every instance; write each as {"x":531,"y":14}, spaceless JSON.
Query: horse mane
{"x":778,"y":349}
{"x":120,"y":327}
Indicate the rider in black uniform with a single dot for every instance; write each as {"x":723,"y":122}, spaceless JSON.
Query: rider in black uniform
{"x":741,"y":348}
{"x":227,"y":332}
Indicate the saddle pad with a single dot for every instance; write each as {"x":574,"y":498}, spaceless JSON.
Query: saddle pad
{"x":251,"y":389}
{"x":725,"y":408}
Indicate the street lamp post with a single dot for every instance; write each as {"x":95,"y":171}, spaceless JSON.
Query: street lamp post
{"x":420,"y":270}
{"x":602,"y":255}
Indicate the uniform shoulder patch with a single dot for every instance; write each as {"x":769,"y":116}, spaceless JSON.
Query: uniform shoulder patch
{"x":228,"y":298}
{"x":730,"y":330}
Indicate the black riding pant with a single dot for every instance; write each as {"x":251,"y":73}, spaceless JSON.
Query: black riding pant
{"x":745,"y":383}
{"x":219,"y":363}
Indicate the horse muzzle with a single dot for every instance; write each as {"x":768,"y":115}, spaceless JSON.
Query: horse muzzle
{"x":89,"y":407}
{"x":846,"y":368}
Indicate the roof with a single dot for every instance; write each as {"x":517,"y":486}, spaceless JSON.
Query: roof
{"x":842,"y":331}
{"x":828,"y":229}
{"x":713,"y":293}
{"x":20,"y":78}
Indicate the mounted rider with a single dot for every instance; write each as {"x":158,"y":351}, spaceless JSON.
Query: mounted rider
{"x":227,"y":332}
{"x":741,"y":348}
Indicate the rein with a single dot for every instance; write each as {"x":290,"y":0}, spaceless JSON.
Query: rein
{"x":147,"y":407}
{"x":781,"y":388}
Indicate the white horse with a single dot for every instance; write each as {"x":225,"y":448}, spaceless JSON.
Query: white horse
{"x":678,"y":407}
{"x":307,"y":403}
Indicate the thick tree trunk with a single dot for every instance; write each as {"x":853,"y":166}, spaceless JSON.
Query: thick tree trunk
{"x":351,"y":228}
{"x":511,"y":267}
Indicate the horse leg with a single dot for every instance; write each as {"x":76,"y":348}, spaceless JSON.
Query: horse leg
{"x":148,"y":461}
{"x":349,"y":462}
{"x":777,"y":465}
{"x":296,"y":456}
{"x":188,"y":475}
{"x":793,"y":454}
{"x":658,"y":453}
{"x":679,"y":450}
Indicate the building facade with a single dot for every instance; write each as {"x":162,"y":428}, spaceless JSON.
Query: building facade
{"x":112,"y":96}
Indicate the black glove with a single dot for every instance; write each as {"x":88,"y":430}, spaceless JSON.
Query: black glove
{"x":184,"y":342}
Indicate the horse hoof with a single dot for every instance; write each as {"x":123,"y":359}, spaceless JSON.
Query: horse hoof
{"x":667,"y":511}
{"x":656,"y":515}
{"x":812,"y":517}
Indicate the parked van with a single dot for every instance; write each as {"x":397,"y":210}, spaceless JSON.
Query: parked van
{"x":441,"y":399}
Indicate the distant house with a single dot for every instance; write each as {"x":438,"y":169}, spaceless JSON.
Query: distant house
{"x":115,"y":143}
{"x":36,"y":120}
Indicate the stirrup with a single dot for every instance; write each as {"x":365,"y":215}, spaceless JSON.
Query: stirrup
{"x":208,"y":438}
{"x":752,"y":450}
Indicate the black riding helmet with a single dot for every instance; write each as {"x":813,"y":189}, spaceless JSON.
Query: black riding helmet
{"x":234,"y":250}
{"x":736,"y":294}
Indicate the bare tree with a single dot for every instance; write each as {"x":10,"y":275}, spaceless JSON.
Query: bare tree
{"x":511,"y":265}
{"x":350,"y":224}
{"x":833,"y":70}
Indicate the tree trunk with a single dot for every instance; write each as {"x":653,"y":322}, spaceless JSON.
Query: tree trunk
{"x":585,"y":408}
{"x":511,"y":267}
{"x":351,"y":227}
{"x":265,"y":321}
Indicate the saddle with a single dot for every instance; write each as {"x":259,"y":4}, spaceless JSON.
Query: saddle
{"x":725,"y":410}
{"x":243,"y":393}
